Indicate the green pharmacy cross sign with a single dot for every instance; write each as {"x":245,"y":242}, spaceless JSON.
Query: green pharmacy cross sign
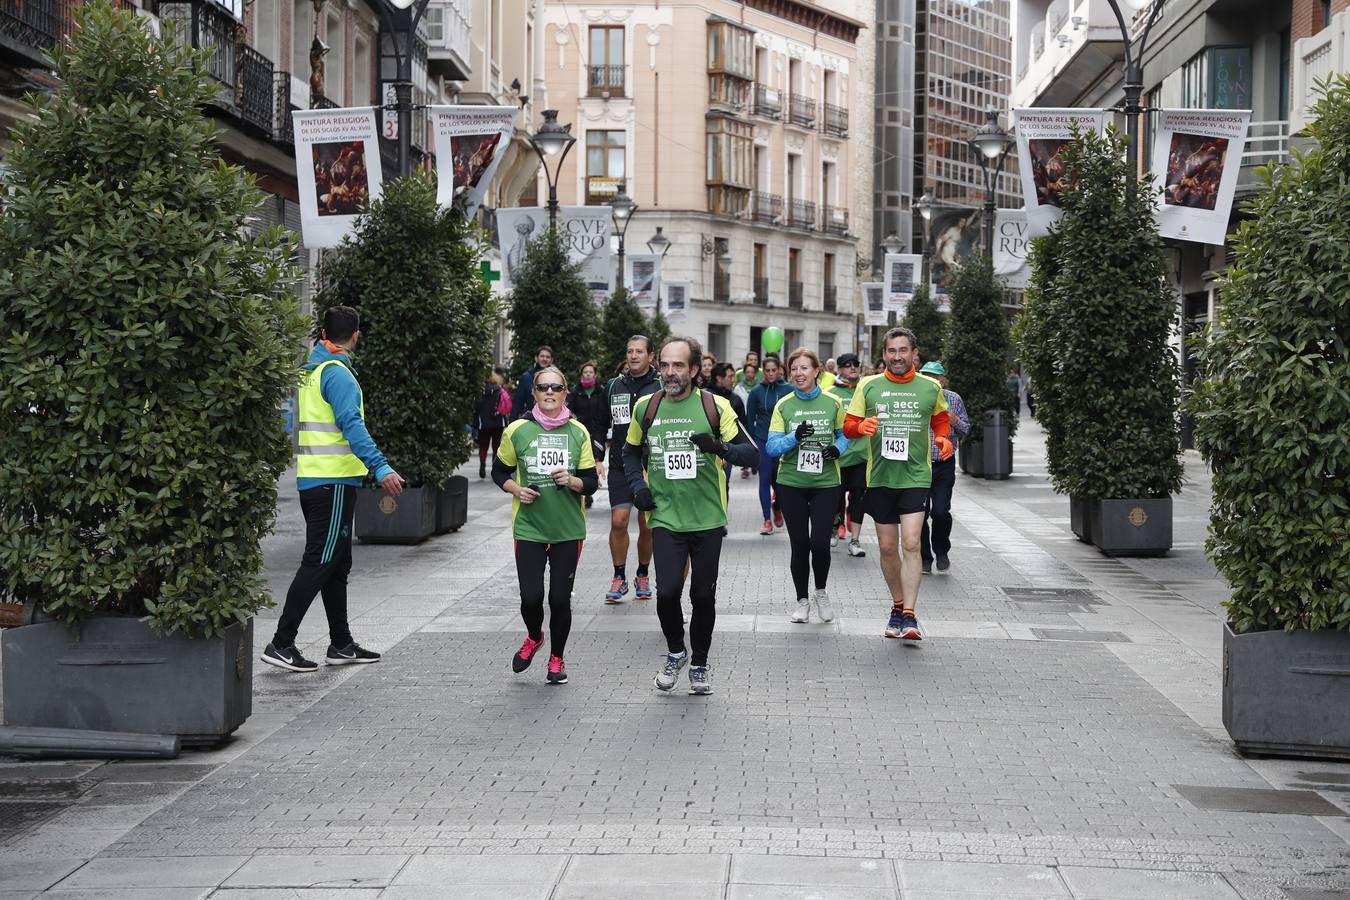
{"x":486,"y":273}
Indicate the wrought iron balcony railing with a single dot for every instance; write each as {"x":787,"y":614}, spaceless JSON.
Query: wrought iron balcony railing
{"x":835,"y":121}
{"x":28,"y":28}
{"x":801,"y":214}
{"x":607,"y":80}
{"x":794,"y":295}
{"x":721,"y":286}
{"x":768,"y":102}
{"x":802,"y":111}
{"x":767,"y":208}
{"x":761,"y":291}
{"x":834,"y":219}
{"x":254,"y":90}
{"x":830,"y":300}
{"x":283,"y":129}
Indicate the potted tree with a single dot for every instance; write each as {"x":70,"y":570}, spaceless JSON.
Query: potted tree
{"x":1270,"y":419}
{"x":976,"y":357}
{"x":411,"y":269}
{"x":552,"y":305}
{"x":152,"y":340}
{"x":1104,"y":333}
{"x":928,"y":323}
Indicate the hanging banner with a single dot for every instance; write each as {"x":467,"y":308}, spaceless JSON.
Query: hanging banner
{"x":585,"y":227}
{"x":677,"y":301}
{"x":1042,"y":135}
{"x":337,"y":166}
{"x":902,"y":271}
{"x":955,"y":234}
{"x":1198,"y":153}
{"x":874,"y":303}
{"x":1011,"y":246}
{"x":470,"y":142}
{"x":642,"y":274}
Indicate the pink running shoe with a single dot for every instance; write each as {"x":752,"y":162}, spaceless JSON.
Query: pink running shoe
{"x":557,"y":672}
{"x":525,"y":655}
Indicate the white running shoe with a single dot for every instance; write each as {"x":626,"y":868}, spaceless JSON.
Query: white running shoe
{"x":834,"y":540}
{"x":802,"y":612}
{"x":822,"y":601}
{"x":855,"y":548}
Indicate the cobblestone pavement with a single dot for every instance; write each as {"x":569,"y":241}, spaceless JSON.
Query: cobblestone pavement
{"x":1057,"y":735}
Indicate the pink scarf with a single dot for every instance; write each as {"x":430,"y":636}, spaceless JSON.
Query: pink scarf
{"x":551,"y":423}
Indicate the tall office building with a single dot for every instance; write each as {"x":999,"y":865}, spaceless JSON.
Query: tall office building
{"x":893,"y":157}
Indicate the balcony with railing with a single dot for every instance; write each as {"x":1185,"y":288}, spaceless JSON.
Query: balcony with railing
{"x":802,"y":111}
{"x":247,"y":90}
{"x":721,"y":285}
{"x":1314,"y":59}
{"x":766,"y":208}
{"x":606,"y":81}
{"x":834,"y":220}
{"x":1267,"y":144}
{"x":830,"y":299}
{"x":801,"y":214}
{"x":283,"y":129}
{"x":254,"y":90}
{"x":794,"y":295}
{"x":767,"y":102}
{"x":447,"y":30}
{"x":835,"y":120}
{"x":761,"y":295}
{"x":27,"y":29}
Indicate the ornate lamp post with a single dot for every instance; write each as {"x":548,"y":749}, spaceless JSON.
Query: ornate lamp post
{"x":406,"y":28}
{"x":552,"y":141}
{"x":991,"y":145}
{"x":622,"y":207}
{"x":925,"y":205}
{"x":1134,"y":68}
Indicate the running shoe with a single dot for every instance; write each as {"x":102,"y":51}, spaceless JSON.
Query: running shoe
{"x":824,"y":611}
{"x":287,"y":658}
{"x":943,"y":563}
{"x":834,"y":540}
{"x":802,"y":612}
{"x":700,"y":680}
{"x":617,"y":588}
{"x":525,"y":655}
{"x":855,"y":548}
{"x":642,"y":587}
{"x":777,"y":518}
{"x":909,"y":627}
{"x":767,"y":529}
{"x":670,"y":670}
{"x":843,"y":531}
{"x":928,"y":567}
{"x":557,"y":672}
{"x":351,"y":654}
{"x":895,"y":624}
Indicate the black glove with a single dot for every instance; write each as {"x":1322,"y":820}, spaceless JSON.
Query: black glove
{"x":830,"y":452}
{"x":804,"y":431}
{"x":642,"y":499}
{"x":708,"y":444}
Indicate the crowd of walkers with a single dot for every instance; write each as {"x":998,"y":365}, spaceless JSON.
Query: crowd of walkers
{"x":830,"y":443}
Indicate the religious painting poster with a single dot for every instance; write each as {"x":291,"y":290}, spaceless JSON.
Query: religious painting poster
{"x":677,"y":301}
{"x":586,"y":229}
{"x":1042,"y":135}
{"x":902,"y":271}
{"x":337,"y":164}
{"x":470,"y":142}
{"x":1197,"y":155}
{"x":954,"y":234}
{"x":874,"y":303}
{"x":1011,"y":246}
{"x":642,"y":274}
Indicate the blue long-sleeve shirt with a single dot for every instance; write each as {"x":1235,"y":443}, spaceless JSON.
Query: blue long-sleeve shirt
{"x":759,"y":407}
{"x":781,"y":442}
{"x":341,"y":391}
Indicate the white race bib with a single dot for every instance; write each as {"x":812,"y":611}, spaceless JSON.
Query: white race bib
{"x":810,"y":462}
{"x":895,"y":444}
{"x":619,"y":409}
{"x":553,"y":452}
{"x":681,"y":465}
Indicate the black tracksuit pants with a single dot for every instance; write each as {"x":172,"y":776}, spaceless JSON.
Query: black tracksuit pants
{"x":809,"y":515}
{"x":329,"y":510}
{"x":702,"y":550}
{"x":561,"y":559}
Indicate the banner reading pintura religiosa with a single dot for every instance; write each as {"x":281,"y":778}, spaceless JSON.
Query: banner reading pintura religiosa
{"x":337,"y":165}
{"x":1042,"y":135}
{"x":1197,"y":155}
{"x":470,"y":143}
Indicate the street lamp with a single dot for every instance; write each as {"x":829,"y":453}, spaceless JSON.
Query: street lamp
{"x":1134,"y":69}
{"x":550,"y":141}
{"x":403,"y":65}
{"x":659,"y":243}
{"x":892,"y":244}
{"x":622,"y":207}
{"x":925,"y":205}
{"x":991,"y":145}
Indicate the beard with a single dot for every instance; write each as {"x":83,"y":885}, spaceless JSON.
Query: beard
{"x":674,"y":385}
{"x":899,"y":367}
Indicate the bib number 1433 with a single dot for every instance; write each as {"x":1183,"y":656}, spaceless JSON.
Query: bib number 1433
{"x":680,"y":465}
{"x":895,"y":447}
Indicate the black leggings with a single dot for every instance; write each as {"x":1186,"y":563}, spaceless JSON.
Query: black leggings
{"x":851,"y":495}
{"x":702,"y":550}
{"x":562,"y":559}
{"x":810,"y":519}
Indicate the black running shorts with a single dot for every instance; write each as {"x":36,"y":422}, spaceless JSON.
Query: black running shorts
{"x":887,"y":505}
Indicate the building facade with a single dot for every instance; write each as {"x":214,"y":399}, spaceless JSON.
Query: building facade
{"x":732,"y":126}
{"x":893,"y":126}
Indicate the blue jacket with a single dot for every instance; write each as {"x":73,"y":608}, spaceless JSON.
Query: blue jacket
{"x":781,"y":442}
{"x":340,"y":391}
{"x":759,"y":408}
{"x":524,"y":399}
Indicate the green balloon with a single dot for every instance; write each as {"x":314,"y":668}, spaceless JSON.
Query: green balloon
{"x":772,"y":339}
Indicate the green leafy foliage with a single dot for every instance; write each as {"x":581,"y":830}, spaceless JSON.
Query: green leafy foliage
{"x":1272,"y":408}
{"x":427,"y":317}
{"x":552,"y":305}
{"x":622,"y":320}
{"x":928,"y":323}
{"x":977,"y":349}
{"x":1100,"y":313}
{"x":150,"y":338}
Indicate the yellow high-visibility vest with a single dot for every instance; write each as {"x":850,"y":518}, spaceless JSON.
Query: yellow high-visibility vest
{"x":323,"y":451}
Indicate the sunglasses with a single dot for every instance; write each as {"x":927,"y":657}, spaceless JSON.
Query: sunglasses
{"x":551,"y":388}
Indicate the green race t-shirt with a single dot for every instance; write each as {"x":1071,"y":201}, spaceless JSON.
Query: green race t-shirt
{"x":688,"y":485}
{"x":557,"y":514}
{"x":898,"y":453}
{"x":804,"y":466}
{"x":856,"y":453}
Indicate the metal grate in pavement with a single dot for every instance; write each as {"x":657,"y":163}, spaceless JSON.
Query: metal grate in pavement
{"x":18,"y":817}
{"x":1258,"y":800}
{"x":1071,"y":634}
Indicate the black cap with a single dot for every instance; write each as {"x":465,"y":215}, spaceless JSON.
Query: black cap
{"x":847,"y":359}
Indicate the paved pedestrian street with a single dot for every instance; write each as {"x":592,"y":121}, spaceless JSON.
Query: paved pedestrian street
{"x":1057,"y":735}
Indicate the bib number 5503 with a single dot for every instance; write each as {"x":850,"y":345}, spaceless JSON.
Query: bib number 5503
{"x":680,"y":465}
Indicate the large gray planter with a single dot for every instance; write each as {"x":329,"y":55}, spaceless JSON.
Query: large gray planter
{"x":970,"y":456}
{"x":1080,"y":518}
{"x":452,"y":505}
{"x":997,"y":447}
{"x":116,"y":674}
{"x":1287,"y":693}
{"x":408,"y":519}
{"x":1140,"y":527}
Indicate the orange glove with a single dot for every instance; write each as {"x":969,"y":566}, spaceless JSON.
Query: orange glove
{"x":868,"y":426}
{"x":944,"y":447}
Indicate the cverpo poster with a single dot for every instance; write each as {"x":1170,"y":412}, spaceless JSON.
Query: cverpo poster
{"x":1042,"y":135}
{"x":470,"y":142}
{"x":677,"y":301}
{"x":1197,"y":155}
{"x":337,"y":164}
{"x":1011,"y":246}
{"x":874,"y":302}
{"x":901,"y":271}
{"x":586,"y":229}
{"x":642,"y":274}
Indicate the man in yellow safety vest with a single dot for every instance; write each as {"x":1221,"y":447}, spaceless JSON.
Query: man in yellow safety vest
{"x":335,"y":454}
